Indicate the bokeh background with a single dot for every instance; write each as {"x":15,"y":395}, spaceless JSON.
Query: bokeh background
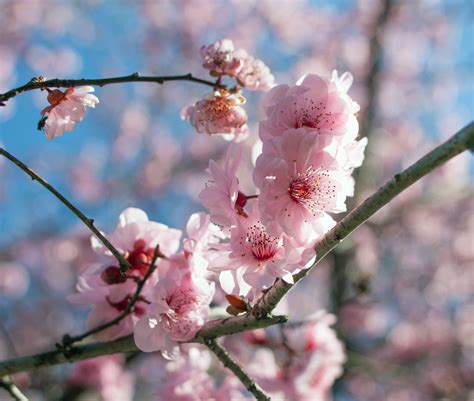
{"x":402,"y":286}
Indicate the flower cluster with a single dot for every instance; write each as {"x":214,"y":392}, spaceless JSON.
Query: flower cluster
{"x":66,"y":109}
{"x":221,"y":58}
{"x":174,"y":301}
{"x":246,"y":242}
{"x":221,"y":112}
{"x":301,"y":365}
{"x":302,"y":175}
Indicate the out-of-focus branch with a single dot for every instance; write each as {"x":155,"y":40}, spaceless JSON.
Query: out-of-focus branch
{"x":260,"y":316}
{"x":7,"y":384}
{"x":232,"y":365}
{"x":341,"y":271}
{"x":374,"y":66}
{"x":36,"y":83}
{"x":123,"y":263}
{"x":457,"y":144}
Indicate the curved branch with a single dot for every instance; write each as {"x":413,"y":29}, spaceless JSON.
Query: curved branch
{"x":37,"y":83}
{"x":457,"y":144}
{"x":123,"y":263}
{"x":259,"y":317}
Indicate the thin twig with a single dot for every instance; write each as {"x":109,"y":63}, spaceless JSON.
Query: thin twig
{"x":69,"y":83}
{"x":69,"y":340}
{"x":232,"y":365}
{"x":260,"y":318}
{"x":461,"y":141}
{"x":123,"y":263}
{"x":7,"y":384}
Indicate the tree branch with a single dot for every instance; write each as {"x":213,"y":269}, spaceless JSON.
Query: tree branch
{"x":212,"y":329}
{"x":7,"y":384}
{"x":69,"y":83}
{"x":232,"y":365}
{"x":461,"y":141}
{"x":259,"y":317}
{"x":123,"y":263}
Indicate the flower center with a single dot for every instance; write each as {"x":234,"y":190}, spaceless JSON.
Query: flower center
{"x":140,"y":257}
{"x":217,"y":108}
{"x":312,"y":188}
{"x":305,"y":185}
{"x":262,"y":245}
{"x":313,"y":115}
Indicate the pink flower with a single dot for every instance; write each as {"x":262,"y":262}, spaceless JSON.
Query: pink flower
{"x":186,"y":379}
{"x":136,"y":236}
{"x":66,"y":109}
{"x":177,"y":311}
{"x":219,"y":113}
{"x":109,"y":294}
{"x":219,"y":58}
{"x":106,"y":374}
{"x":254,"y":74}
{"x":298,"y":185}
{"x":253,"y":259}
{"x":315,"y":103}
{"x":221,"y":195}
{"x":107,"y":290}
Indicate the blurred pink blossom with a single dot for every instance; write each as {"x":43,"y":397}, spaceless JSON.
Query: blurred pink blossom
{"x":220,"y":59}
{"x":106,"y":374}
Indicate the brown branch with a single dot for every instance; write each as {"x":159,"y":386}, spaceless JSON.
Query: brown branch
{"x":123,"y":263}
{"x":69,"y":83}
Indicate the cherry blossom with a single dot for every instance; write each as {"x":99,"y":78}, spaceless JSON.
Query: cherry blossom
{"x":315,"y":103}
{"x":253,"y":259}
{"x":136,"y":236}
{"x":308,"y":364}
{"x":254,"y":74}
{"x":106,"y":374}
{"x":66,"y":109}
{"x":221,"y":196}
{"x":298,"y":185}
{"x":107,"y":290}
{"x":186,"y":378}
{"x":178,"y":309}
{"x":219,"y":113}
{"x":220,"y":59}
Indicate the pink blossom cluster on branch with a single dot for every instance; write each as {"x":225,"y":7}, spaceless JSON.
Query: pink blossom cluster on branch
{"x":302,"y":174}
{"x":247,"y":241}
{"x":221,"y":112}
